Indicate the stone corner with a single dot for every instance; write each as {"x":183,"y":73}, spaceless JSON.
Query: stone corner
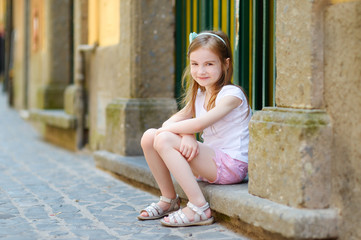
{"x":128,"y":119}
{"x":290,"y":155}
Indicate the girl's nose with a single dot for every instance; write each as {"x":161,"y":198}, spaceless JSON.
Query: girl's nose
{"x":202,"y":69}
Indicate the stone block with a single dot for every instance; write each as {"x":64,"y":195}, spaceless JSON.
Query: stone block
{"x":72,"y":97}
{"x":69,"y":99}
{"x":127,"y":119}
{"x":299,"y":53}
{"x":50,"y":97}
{"x":56,"y":127}
{"x":65,"y":138}
{"x":290,"y":157}
{"x":56,"y":118}
{"x":152,"y":49}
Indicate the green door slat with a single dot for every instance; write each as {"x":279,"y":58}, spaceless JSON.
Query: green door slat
{"x":243,"y":47}
{"x":229,"y":18}
{"x":198,"y":16}
{"x":257,"y":56}
{"x":180,"y":43}
{"x":219,"y":14}
{"x":265,"y":54}
{"x":191,"y":16}
{"x":206,"y":15}
{"x":274,"y":55}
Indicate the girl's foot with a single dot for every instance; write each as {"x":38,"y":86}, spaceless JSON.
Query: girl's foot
{"x":189,"y":216}
{"x":160,"y":209}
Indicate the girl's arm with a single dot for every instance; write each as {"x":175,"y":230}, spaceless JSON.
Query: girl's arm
{"x":189,"y":146}
{"x":194,"y":125}
{"x":183,"y":114}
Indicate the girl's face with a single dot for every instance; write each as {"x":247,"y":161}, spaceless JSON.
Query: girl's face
{"x":206,"y":67}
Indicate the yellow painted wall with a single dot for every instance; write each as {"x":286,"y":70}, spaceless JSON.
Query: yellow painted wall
{"x":2,"y":15}
{"x":104,"y":22}
{"x":93,"y":22}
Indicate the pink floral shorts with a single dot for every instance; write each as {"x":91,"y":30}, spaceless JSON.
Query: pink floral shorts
{"x":229,"y":170}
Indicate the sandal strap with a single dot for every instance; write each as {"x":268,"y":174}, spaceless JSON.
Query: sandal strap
{"x":173,"y":202}
{"x":153,"y":210}
{"x":178,"y":217}
{"x":167,"y":200}
{"x":199,"y":211}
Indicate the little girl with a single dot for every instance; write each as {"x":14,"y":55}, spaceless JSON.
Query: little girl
{"x":220,"y":111}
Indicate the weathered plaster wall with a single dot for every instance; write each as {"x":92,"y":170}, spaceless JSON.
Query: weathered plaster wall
{"x":107,"y":71}
{"x":343,"y":104}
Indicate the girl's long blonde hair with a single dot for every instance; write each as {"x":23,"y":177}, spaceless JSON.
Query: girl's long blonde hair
{"x":224,"y":52}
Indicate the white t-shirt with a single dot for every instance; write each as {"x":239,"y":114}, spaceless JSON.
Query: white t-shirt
{"x":230,"y":134}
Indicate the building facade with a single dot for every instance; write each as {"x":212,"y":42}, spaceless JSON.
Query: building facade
{"x":98,"y":73}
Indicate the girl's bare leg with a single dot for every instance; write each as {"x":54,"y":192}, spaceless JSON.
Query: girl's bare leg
{"x":158,"y":169}
{"x":167,"y":146}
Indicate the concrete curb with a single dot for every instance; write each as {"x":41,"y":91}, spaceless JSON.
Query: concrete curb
{"x":235,"y":202}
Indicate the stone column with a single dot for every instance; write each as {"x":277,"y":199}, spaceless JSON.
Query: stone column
{"x":150,"y":25}
{"x":56,"y":71}
{"x":290,"y":145}
{"x":75,"y":95}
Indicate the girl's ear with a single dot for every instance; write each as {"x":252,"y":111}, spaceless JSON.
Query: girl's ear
{"x":227,"y":63}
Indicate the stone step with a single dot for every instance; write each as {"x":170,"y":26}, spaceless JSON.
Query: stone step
{"x":57,"y":127}
{"x":56,"y":118}
{"x":235,"y":202}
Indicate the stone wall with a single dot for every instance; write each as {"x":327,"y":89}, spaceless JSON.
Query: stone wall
{"x":140,"y":67}
{"x":343,"y":104}
{"x":290,"y":145}
{"x":305,"y":152}
{"x":18,"y":57}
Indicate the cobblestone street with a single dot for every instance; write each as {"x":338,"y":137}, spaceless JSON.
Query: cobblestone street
{"x":47,"y":192}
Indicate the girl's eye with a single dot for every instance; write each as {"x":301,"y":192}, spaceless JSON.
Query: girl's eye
{"x":194,"y":64}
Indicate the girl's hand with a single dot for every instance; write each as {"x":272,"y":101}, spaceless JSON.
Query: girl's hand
{"x":189,"y":147}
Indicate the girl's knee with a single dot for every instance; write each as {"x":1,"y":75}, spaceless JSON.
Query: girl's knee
{"x":147,"y":139}
{"x":163,"y":140}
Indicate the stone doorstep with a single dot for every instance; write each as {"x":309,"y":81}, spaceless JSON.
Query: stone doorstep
{"x":55,"y":118}
{"x":235,"y":202}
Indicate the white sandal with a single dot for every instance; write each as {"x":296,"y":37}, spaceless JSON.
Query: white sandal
{"x":179,"y":219}
{"x":155,"y":212}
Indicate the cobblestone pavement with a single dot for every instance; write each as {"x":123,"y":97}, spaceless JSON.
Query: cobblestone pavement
{"x":50,"y":193}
